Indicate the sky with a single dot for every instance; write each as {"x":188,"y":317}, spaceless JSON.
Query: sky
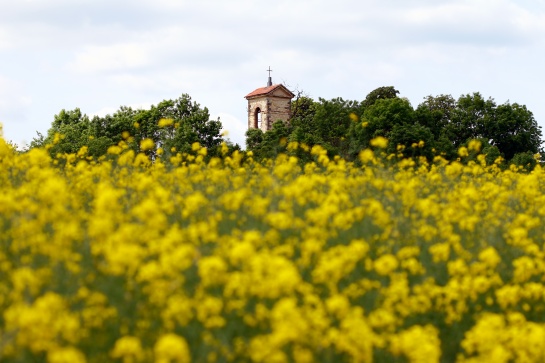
{"x":98,"y":55}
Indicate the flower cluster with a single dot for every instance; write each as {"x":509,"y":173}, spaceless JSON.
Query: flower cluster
{"x":229,"y":260}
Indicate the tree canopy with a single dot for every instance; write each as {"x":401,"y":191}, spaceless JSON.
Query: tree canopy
{"x":439,"y":125}
{"x":172,"y":125}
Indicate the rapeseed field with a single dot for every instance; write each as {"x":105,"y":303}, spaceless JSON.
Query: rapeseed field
{"x":228,"y":260}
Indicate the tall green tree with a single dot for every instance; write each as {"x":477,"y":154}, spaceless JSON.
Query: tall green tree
{"x":69,"y":131}
{"x":415,"y":140}
{"x":188,"y":123}
{"x":435,"y":113}
{"x":508,"y":128}
{"x":302,"y":122}
{"x":267,"y":145}
{"x":380,"y":119}
{"x":470,"y":118}
{"x":514,"y":130}
{"x":380,"y":93}
{"x":332,"y":121}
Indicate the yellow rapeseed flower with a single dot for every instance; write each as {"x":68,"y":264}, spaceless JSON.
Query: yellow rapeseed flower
{"x":386,"y":264}
{"x":171,"y":348}
{"x":164,"y":122}
{"x":129,"y":349}
{"x":147,"y":144}
{"x":380,"y":142}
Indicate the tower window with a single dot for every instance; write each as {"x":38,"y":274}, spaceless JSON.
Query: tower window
{"x":257,"y":118}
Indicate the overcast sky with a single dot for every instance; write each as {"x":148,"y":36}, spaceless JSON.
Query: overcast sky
{"x":99,"y":55}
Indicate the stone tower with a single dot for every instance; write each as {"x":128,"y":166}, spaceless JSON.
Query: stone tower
{"x":268,"y":104}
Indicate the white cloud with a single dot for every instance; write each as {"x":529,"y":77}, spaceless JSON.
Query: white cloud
{"x":12,"y":94}
{"x":13,"y":104}
{"x":483,"y":22}
{"x":111,"y":58}
{"x":5,"y":42}
{"x":110,"y":110}
{"x":233,"y":128}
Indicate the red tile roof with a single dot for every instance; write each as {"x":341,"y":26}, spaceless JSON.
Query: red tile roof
{"x":267,"y":90}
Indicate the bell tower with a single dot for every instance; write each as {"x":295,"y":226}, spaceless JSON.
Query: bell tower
{"x":268,"y":104}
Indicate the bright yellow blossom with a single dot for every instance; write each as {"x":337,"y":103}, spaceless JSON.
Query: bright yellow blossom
{"x":380,"y":142}
{"x":147,"y":144}
{"x":172,"y":348}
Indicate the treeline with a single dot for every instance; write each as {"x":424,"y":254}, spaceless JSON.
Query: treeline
{"x":440,"y":125}
{"x":173,"y":126}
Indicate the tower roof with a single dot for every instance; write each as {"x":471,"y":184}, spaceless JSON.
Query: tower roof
{"x":276,"y":90}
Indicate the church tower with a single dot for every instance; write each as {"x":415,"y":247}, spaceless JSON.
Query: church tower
{"x":268,"y":104}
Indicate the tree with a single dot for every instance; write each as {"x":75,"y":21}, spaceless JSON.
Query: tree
{"x":303,"y":127}
{"x":513,"y":129}
{"x":491,"y":153}
{"x":509,"y":128}
{"x":191,"y":124}
{"x":332,"y":121}
{"x":380,"y":119}
{"x":111,"y":129}
{"x":187,"y":123}
{"x":436,"y":113}
{"x":470,"y":119}
{"x":303,"y":108}
{"x":69,"y":131}
{"x":416,"y":140}
{"x":254,"y":138}
{"x":380,"y":93}
{"x":525,"y":160}
{"x":267,"y":145}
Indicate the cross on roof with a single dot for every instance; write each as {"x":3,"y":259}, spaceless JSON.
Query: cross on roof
{"x":269,"y":70}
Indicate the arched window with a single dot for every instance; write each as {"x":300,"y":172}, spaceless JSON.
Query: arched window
{"x":257,"y":118}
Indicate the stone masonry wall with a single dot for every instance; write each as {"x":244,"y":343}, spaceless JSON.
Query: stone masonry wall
{"x":252,"y":106}
{"x":272,"y":109}
{"x":279,"y":109}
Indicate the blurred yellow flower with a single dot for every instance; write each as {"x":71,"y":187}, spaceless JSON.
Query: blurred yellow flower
{"x":380,"y":142}
{"x":129,"y":349}
{"x":386,"y":264}
{"x":147,"y":144}
{"x":164,"y":122}
{"x":171,"y":348}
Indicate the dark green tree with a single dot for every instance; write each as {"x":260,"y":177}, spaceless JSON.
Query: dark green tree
{"x":188,"y":123}
{"x":332,"y":121}
{"x":193,"y":124}
{"x":470,"y":119}
{"x":510,"y":128}
{"x":380,"y":93}
{"x":380,"y":119}
{"x":254,"y":138}
{"x":435,"y":113}
{"x":69,"y":131}
{"x":267,"y":145}
{"x":303,"y":108}
{"x":415,"y":140}
{"x":525,"y":159}
{"x":513,"y":129}
{"x":303,"y":127}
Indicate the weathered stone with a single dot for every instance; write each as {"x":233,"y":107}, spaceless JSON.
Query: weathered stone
{"x":267,"y":105}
